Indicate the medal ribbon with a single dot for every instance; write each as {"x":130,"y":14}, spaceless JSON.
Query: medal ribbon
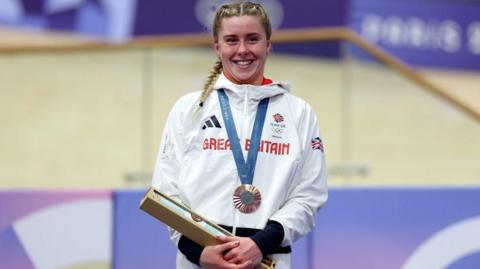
{"x":245,"y":170}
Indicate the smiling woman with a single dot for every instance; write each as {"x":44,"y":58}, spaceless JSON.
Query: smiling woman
{"x":242,"y":47}
{"x":268,"y":204}
{"x":252,"y":31}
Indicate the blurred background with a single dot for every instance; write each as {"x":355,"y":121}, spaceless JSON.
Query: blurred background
{"x":86,"y":86}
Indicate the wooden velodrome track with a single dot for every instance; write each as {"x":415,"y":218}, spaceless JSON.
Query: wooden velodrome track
{"x":75,"y":112}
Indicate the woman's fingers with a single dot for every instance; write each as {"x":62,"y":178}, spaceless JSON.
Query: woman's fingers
{"x":225,"y":239}
{"x":221,"y":248}
{"x":231,"y":255}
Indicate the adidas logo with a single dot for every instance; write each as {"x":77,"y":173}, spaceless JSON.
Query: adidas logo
{"x":212,"y":122}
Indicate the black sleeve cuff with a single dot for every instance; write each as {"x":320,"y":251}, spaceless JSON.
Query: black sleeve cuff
{"x":190,"y":249}
{"x":269,"y":238}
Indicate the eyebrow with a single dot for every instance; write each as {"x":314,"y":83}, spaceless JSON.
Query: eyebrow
{"x":248,"y":35}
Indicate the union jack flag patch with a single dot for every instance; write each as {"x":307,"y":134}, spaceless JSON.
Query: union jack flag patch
{"x":317,"y":143}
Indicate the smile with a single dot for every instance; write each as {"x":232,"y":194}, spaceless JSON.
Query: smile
{"x":243,"y":62}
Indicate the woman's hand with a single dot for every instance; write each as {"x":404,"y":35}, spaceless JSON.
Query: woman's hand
{"x":246,"y":251}
{"x":212,"y":257}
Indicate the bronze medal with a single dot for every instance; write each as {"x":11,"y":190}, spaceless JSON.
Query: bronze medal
{"x":247,"y":198}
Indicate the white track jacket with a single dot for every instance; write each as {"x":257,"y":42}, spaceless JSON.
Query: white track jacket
{"x":195,"y":163}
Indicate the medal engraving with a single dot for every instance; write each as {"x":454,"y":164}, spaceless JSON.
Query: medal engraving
{"x":247,"y":198}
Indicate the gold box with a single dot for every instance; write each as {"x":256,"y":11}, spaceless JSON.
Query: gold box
{"x":181,"y":218}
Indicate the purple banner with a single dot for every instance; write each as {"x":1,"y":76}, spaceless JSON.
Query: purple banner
{"x":140,"y":240}
{"x":399,"y":228}
{"x":54,"y":229}
{"x":196,"y":16}
{"x":428,"y":34}
{"x":373,"y":228}
{"x":111,"y":19}
{"x":193,"y":16}
{"x":121,"y":19}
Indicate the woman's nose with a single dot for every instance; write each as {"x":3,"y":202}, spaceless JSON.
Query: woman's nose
{"x":242,"y":48}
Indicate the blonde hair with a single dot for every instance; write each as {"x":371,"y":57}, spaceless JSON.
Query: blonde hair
{"x":228,"y":11}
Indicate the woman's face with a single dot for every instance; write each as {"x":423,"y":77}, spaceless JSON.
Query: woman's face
{"x":242,"y":47}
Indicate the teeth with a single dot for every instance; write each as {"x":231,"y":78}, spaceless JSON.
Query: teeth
{"x":244,"y":62}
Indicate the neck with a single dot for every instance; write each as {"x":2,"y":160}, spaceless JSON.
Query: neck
{"x":256,"y":81}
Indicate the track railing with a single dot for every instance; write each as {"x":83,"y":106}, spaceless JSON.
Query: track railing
{"x":284,"y":35}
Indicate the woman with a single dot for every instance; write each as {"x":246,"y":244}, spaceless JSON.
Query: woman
{"x":244,"y":152}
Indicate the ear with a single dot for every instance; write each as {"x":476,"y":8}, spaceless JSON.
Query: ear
{"x":269,"y":46}
{"x":216,"y":48}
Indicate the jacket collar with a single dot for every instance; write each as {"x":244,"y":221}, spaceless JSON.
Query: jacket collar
{"x":251,"y":92}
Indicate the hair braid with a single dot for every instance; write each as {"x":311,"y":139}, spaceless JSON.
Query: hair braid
{"x":208,"y":87}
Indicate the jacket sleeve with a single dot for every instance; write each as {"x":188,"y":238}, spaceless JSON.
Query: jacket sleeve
{"x":308,"y":190}
{"x":169,"y":160}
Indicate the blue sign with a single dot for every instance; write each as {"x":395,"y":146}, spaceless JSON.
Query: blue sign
{"x":429,"y":34}
{"x":410,"y":228}
{"x":442,"y":34}
{"x":373,"y":228}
